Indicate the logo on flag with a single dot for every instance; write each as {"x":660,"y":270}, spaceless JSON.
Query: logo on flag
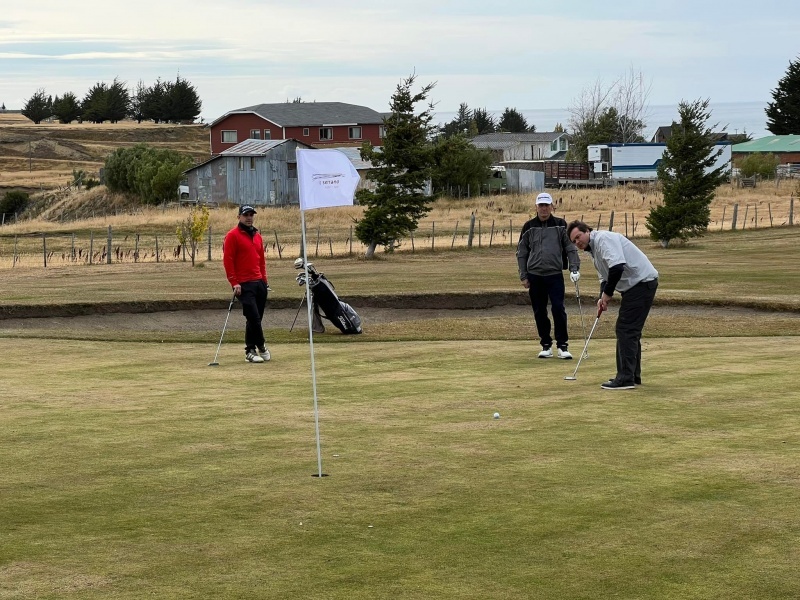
{"x":326,"y":178}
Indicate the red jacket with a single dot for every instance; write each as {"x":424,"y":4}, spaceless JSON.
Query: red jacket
{"x":243,"y":256}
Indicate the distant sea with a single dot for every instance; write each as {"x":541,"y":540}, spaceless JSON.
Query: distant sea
{"x":738,"y":116}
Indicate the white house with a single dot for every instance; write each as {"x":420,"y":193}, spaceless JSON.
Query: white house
{"x":547,"y":145}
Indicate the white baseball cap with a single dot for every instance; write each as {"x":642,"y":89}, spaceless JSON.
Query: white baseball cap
{"x":544,"y":198}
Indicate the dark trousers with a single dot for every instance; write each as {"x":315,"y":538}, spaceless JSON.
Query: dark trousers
{"x":633,"y":311}
{"x":542,"y":288}
{"x":254,"y":300}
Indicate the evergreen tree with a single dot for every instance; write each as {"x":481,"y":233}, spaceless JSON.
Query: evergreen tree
{"x":484,"y":122}
{"x":118,"y":101}
{"x":67,"y":108}
{"x":183,"y":101}
{"x":37,"y":108}
{"x":462,"y":123}
{"x":783,"y":115}
{"x":402,"y":168}
{"x":512,"y":121}
{"x":154,"y":105}
{"x":687,"y":177}
{"x":138,"y":99}
{"x":95,"y":104}
{"x":459,"y":166}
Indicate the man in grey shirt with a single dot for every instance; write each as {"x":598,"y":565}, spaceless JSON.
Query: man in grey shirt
{"x":624,"y":268}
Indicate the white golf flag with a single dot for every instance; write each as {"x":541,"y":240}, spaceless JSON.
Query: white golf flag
{"x":326,"y":178}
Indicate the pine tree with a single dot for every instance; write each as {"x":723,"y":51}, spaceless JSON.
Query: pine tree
{"x":67,"y":108}
{"x":118,"y":101}
{"x":687,"y":177}
{"x":95,"y":104}
{"x":783,"y":115}
{"x":37,"y":108}
{"x":401,"y":170}
{"x":484,"y":122}
{"x":512,"y":120}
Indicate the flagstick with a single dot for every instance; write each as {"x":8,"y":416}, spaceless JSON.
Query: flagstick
{"x":311,"y":346}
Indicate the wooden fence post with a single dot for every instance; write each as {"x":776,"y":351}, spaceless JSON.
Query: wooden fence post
{"x":791,"y":211}
{"x":91,"y":247}
{"x":769,"y":208}
{"x":72,"y":249}
{"x":108,"y":246}
{"x":471,"y":231}
{"x":626,"y":224}
{"x":277,"y":243}
{"x":330,"y":245}
{"x":744,"y":221}
{"x":433,"y":234}
{"x":734,"y":216}
{"x":158,"y":257}
{"x":411,"y":233}
{"x":510,"y":232}
{"x":44,"y":249}
{"x":611,"y":222}
{"x":14,"y":259}
{"x":491,"y":234}
{"x":350,"y":252}
{"x":209,"y":243}
{"x":722,"y":224}
{"x":479,"y":233}
{"x":316,"y":250}
{"x":455,"y":231}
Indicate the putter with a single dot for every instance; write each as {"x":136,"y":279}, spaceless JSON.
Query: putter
{"x":580,"y":310}
{"x":574,"y":375}
{"x":216,"y":354}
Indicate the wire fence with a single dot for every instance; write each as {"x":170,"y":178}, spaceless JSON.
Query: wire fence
{"x":110,"y":247}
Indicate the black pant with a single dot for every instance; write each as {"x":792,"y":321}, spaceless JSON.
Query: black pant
{"x":542,"y":288}
{"x":254,"y":300}
{"x":633,"y":311}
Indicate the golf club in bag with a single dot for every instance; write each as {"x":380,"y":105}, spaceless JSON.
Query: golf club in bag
{"x":574,"y":375}
{"x":324,"y":298}
{"x":230,"y":307}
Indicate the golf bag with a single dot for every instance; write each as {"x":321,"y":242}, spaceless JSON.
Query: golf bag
{"x":324,"y":298}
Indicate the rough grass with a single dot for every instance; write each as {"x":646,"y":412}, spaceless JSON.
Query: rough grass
{"x":135,"y":469}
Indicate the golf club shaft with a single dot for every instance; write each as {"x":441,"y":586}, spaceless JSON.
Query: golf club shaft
{"x":297,"y":314}
{"x":586,"y":346}
{"x":580,"y":309}
{"x":224,"y":327}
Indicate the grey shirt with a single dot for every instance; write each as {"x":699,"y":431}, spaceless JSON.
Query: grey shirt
{"x":609,"y":249}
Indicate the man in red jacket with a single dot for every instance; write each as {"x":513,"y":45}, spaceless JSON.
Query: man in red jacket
{"x":246,"y":269}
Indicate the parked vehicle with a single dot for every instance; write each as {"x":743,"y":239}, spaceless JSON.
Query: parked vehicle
{"x":639,"y":162}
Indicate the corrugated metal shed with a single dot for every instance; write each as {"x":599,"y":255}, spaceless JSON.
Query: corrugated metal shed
{"x":771,"y":143}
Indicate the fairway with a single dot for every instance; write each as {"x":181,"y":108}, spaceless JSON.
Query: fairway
{"x":134,"y":470}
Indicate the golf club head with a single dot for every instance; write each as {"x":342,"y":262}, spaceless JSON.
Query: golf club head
{"x":298,"y":263}
{"x":213,"y":364}
{"x":570,"y":378}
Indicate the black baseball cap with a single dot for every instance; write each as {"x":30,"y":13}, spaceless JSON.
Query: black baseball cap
{"x":246,"y":208}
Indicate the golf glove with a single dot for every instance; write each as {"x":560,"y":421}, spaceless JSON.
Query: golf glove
{"x":574,"y":276}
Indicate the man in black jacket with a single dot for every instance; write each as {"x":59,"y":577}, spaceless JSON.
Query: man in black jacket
{"x":543,"y":252}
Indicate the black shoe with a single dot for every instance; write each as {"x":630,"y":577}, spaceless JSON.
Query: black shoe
{"x":637,"y":381}
{"x":616,"y":385}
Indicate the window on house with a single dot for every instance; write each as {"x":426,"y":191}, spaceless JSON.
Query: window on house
{"x":255,"y":134}
{"x":325,"y":133}
{"x":267,"y":134}
{"x":241,"y":163}
{"x":252,"y":163}
{"x":562,"y":144}
{"x":381,"y":131}
{"x":292,"y":170}
{"x":305,"y":130}
{"x":354,"y":133}
{"x":554,"y":146}
{"x":230,"y":137}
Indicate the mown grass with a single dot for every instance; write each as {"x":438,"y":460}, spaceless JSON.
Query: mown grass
{"x":134,"y":470}
{"x":743,"y":268}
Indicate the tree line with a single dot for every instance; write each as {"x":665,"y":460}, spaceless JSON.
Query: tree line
{"x":163,"y":102}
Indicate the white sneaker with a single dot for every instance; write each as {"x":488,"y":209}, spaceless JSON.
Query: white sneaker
{"x":564,"y":354}
{"x":264,"y":354}
{"x":546,"y":353}
{"x":253,"y":357}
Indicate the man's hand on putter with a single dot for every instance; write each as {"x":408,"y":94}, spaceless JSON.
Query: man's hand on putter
{"x":575,"y":276}
{"x":602,"y":303}
{"x":237,"y":290}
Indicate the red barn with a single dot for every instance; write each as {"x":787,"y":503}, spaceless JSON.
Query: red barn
{"x":318,"y":124}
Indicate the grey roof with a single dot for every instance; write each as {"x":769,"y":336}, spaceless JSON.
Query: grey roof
{"x":514,"y":139}
{"x":301,"y":114}
{"x":252,"y":147}
{"x":354,"y":154}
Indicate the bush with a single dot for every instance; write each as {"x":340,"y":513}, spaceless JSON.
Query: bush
{"x":763,"y":165}
{"x":14,"y":202}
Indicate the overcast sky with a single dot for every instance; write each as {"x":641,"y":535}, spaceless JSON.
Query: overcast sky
{"x":526,"y":54}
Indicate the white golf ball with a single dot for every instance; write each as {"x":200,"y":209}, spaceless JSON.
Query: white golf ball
{"x":496,"y":415}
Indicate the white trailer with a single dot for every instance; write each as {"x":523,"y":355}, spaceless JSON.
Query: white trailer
{"x":639,"y":162}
